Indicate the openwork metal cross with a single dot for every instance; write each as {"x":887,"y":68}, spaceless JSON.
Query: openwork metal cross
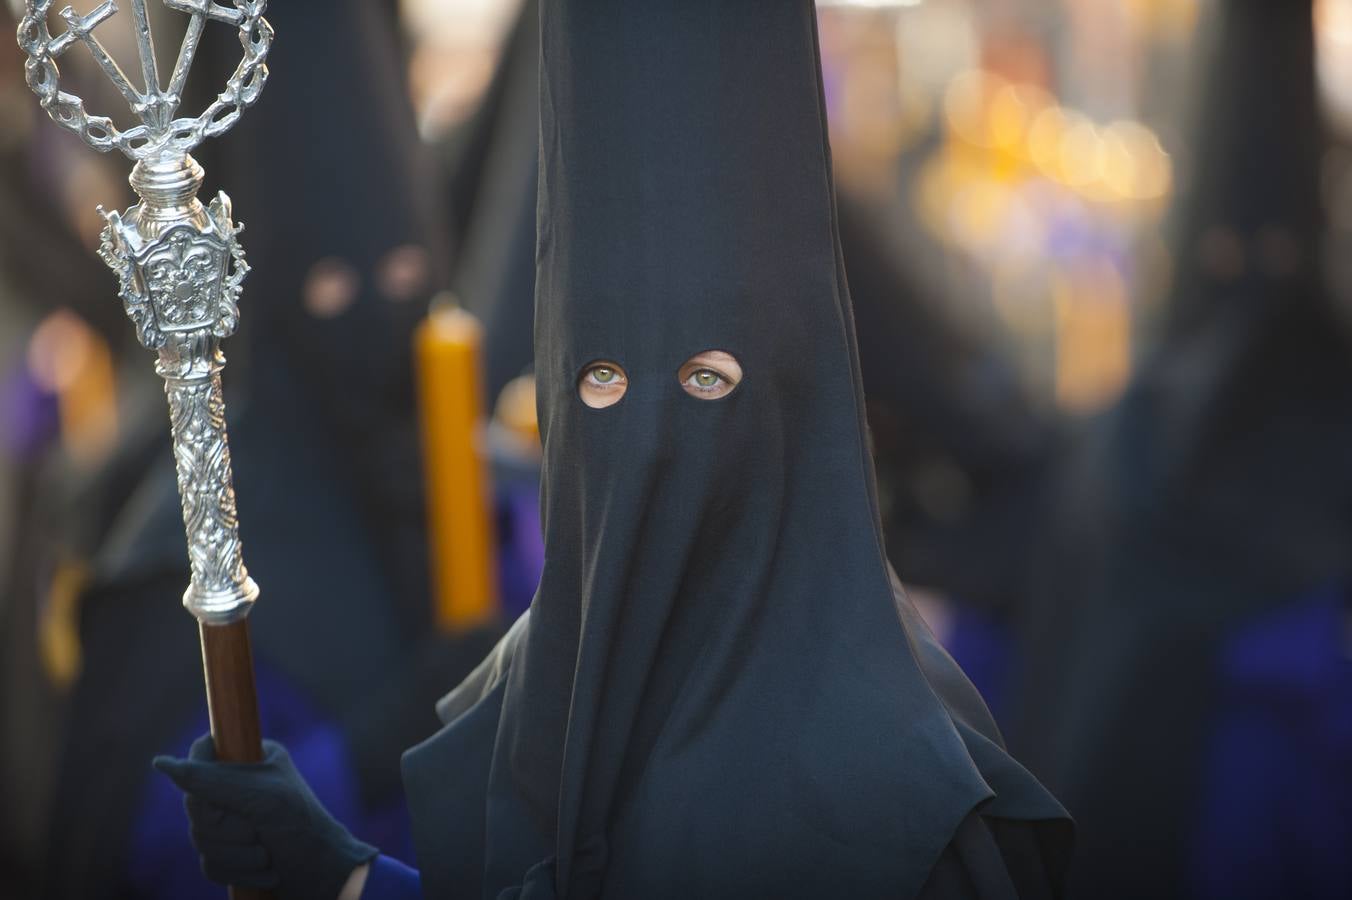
{"x":159,"y":132}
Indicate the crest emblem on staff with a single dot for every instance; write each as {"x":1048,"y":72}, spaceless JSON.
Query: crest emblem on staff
{"x":180,"y":269}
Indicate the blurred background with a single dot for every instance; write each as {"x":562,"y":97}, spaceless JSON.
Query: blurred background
{"x":1099,"y":256}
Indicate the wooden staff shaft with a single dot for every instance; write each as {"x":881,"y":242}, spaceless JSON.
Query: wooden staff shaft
{"x":232,"y":702}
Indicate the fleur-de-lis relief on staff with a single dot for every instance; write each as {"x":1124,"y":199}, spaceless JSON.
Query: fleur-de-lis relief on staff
{"x":179,"y":282}
{"x":179,"y":263}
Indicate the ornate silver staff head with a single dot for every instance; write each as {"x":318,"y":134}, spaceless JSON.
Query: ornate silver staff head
{"x":178,"y":262}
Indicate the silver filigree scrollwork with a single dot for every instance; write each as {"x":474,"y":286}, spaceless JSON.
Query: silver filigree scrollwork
{"x":160,"y":132}
{"x":202,"y":457}
{"x":179,"y":264}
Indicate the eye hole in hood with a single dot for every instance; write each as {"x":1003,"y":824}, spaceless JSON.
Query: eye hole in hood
{"x":710,"y":375}
{"x":602,"y":383}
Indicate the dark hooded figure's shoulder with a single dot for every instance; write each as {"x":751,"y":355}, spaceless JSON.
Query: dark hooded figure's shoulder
{"x":486,"y":677}
{"x":473,"y":706}
{"x":464,"y":745}
{"x":1018,"y":843}
{"x":996,"y":859}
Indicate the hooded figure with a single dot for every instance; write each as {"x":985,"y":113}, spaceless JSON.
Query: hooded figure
{"x":719,"y":690}
{"x":1205,"y":516}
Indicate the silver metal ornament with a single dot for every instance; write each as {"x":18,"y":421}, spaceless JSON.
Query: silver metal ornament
{"x":179,"y":263}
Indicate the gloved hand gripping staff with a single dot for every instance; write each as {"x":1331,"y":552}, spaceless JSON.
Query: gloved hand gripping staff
{"x":180,"y":268}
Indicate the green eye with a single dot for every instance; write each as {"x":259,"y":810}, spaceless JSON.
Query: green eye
{"x":602,"y":384}
{"x":709,"y":375}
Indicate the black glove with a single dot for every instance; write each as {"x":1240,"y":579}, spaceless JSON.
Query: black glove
{"x":258,"y":825}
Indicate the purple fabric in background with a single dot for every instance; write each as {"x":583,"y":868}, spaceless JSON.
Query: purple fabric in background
{"x":521,"y":556}
{"x":1277,"y":815}
{"x":28,"y":415}
{"x":392,"y":880}
{"x":983,"y":647}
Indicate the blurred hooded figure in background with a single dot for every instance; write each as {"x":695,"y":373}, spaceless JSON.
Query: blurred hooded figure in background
{"x":324,"y":437}
{"x":959,"y":448}
{"x":60,"y":504}
{"x":961,"y":454}
{"x":1188,"y":686}
{"x":719,"y":690}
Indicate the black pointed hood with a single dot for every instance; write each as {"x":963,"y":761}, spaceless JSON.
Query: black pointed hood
{"x":720,"y":692}
{"x":939,"y":398}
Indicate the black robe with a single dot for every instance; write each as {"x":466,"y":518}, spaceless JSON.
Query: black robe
{"x":719,"y":691}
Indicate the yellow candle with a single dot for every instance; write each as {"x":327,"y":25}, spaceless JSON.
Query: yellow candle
{"x":459,"y":495}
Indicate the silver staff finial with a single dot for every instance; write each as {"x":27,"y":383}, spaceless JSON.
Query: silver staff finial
{"x":179,"y":264}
